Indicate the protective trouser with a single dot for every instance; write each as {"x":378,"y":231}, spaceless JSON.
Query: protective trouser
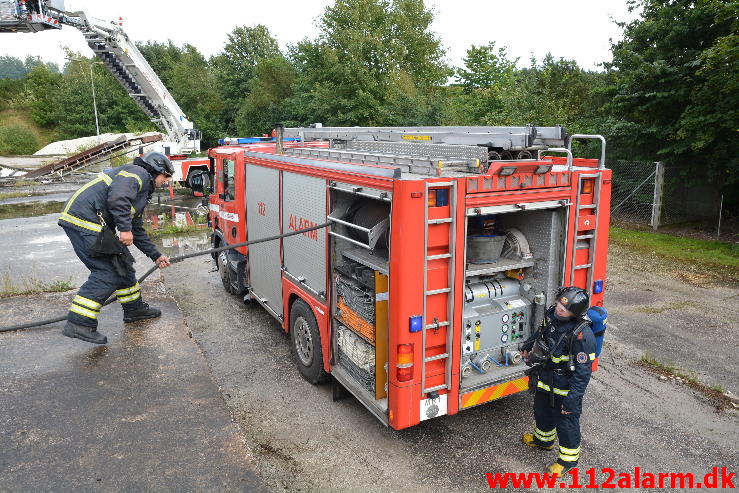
{"x":552,"y":424}
{"x":102,"y":282}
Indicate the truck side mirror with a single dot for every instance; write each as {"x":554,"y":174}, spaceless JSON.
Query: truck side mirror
{"x":200,"y":182}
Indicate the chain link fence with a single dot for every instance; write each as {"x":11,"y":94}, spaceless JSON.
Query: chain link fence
{"x":647,"y":193}
{"x":633,"y":191}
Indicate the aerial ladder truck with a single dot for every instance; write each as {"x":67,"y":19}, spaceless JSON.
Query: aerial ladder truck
{"x":120,"y":55}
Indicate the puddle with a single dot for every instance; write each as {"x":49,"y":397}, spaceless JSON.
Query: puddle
{"x":30,"y":209}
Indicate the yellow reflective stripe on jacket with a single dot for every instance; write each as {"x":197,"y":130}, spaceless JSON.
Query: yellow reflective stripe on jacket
{"x":592,"y":356}
{"x":80,"y":222}
{"x":107,"y":179}
{"x":559,"y":359}
{"x":132,"y":175}
{"x":81,"y":300}
{"x":124,"y":291}
{"x":85,"y":187}
{"x":546,"y":387}
{"x":83,"y":311}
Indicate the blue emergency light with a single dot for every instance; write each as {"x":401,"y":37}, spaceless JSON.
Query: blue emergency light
{"x":416,"y":324}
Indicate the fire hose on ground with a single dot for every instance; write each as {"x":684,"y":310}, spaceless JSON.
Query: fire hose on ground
{"x":172,"y":260}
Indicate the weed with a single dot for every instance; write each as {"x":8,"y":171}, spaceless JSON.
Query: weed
{"x":20,"y":182}
{"x":13,"y":195}
{"x":173,"y":230}
{"x":715,"y":393}
{"x":32,"y":286}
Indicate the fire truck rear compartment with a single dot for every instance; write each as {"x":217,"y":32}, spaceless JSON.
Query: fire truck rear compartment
{"x":504,"y":300}
{"x":359,"y":286}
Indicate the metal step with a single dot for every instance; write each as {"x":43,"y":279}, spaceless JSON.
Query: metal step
{"x":436,"y":257}
{"x":438,"y":291}
{"x":435,"y":325}
{"x":440,"y":221}
{"x":438,"y":387}
{"x":584,"y":266}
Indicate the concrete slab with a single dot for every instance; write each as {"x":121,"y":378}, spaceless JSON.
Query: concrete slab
{"x":140,"y":414}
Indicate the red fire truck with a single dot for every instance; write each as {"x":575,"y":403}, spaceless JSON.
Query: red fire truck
{"x":443,"y":248}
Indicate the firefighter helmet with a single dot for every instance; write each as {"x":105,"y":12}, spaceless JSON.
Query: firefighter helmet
{"x":159,"y":163}
{"x":574,"y":299}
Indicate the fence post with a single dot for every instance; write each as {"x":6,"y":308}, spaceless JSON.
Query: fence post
{"x":659,"y":175}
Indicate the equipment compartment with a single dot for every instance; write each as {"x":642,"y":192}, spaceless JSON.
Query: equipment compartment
{"x":504,"y":301}
{"x":360,"y":238}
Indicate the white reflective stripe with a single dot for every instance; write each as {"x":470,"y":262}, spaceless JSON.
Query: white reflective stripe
{"x":132,"y":175}
{"x":80,"y":190}
{"x":569,"y":451}
{"x":569,"y":458}
{"x":83,"y":311}
{"x":81,"y":300}
{"x":542,"y":385}
{"x":123,"y":291}
{"x":80,"y":222}
{"x":229,"y":216}
{"x":214,"y":207}
{"x":560,"y":391}
{"x":126,"y":299}
{"x":546,"y":433}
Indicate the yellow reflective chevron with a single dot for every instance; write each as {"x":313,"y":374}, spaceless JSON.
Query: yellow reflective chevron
{"x":132,"y":175}
{"x":80,"y":222}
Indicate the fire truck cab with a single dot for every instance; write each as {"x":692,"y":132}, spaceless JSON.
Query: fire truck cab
{"x":444,"y":246}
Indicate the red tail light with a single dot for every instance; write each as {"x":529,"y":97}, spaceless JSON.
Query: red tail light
{"x":404,"y":363}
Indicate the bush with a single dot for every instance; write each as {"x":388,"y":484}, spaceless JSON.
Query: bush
{"x":15,"y":139}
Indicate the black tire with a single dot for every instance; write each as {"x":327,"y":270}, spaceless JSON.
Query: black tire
{"x":305,"y":342}
{"x":225,"y":273}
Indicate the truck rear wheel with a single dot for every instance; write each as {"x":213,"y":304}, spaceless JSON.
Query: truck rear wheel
{"x":306,"y":343}
{"x":225,"y":272}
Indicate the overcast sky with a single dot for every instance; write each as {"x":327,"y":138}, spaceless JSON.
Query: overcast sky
{"x":572,"y":29}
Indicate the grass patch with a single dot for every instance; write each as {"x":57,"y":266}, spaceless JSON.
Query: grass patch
{"x":715,"y":394}
{"x":20,"y":182}
{"x":714,"y":256}
{"x":21,"y":117}
{"x":173,"y":230}
{"x":14,"y":195}
{"x":677,"y":305}
{"x":9,"y":287}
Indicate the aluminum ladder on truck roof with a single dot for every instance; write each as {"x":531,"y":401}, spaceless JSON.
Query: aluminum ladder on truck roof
{"x":527,"y":137}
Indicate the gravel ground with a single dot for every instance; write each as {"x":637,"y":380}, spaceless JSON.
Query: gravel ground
{"x":302,"y":441}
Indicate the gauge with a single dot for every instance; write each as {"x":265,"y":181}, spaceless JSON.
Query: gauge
{"x":504,"y":338}
{"x":504,"y":328}
{"x":506,"y":318}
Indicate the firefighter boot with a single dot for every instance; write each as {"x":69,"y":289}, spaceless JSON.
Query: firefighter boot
{"x":528,"y":439}
{"x":141,"y":311}
{"x":558,"y":469}
{"x":87,"y":334}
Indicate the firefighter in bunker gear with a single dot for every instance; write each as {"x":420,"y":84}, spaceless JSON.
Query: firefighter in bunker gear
{"x":116,"y":198}
{"x":563,"y":377}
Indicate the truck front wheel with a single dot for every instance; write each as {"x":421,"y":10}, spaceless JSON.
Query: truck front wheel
{"x":306,"y":343}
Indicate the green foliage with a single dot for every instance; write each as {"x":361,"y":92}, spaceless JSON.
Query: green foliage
{"x":43,"y":86}
{"x":371,"y":59}
{"x":11,"y":68}
{"x":16,"y":139}
{"x":270,"y":87}
{"x":674,"y":93}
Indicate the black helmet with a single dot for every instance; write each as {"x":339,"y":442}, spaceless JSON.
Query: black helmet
{"x":574,"y":299}
{"x":158,"y":163}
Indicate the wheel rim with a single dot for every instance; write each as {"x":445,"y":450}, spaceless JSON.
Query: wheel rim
{"x":222,"y":266}
{"x":303,"y":341}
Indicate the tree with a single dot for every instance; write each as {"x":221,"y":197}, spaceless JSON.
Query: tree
{"x":263,"y":106}
{"x":43,"y":86}
{"x":11,"y":68}
{"x":371,"y":55}
{"x":674,"y":95}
